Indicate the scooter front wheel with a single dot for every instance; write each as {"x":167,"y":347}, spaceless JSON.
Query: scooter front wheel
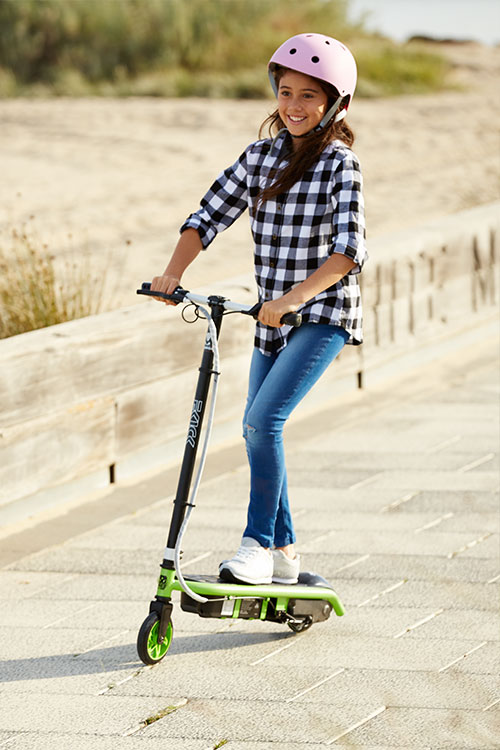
{"x":149,"y":649}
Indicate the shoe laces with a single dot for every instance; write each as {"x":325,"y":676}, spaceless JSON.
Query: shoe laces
{"x":246,"y":553}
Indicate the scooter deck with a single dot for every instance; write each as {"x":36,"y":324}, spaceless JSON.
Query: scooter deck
{"x":309,"y":587}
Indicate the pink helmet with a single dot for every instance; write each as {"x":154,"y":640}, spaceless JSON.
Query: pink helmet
{"x":321,"y":57}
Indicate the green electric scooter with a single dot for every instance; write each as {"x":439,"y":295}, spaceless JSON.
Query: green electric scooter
{"x":299,"y":605}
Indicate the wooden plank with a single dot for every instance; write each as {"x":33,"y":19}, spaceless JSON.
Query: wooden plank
{"x":55,"y":449}
{"x":160,"y":411}
{"x":89,"y":358}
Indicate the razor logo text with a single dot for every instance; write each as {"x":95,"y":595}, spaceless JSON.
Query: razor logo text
{"x":194,"y":423}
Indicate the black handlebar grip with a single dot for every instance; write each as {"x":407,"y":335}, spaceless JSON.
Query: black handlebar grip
{"x":177,"y":296}
{"x":292,"y":319}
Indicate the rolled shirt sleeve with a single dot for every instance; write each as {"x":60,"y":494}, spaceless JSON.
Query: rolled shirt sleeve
{"x":348,"y":225}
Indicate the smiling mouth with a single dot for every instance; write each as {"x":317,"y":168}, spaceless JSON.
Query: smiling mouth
{"x":296,"y":120}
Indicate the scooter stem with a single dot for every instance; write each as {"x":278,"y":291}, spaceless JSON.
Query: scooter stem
{"x":212,"y":340}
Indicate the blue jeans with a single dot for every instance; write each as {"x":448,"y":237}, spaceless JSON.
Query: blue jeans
{"x":277,"y":384}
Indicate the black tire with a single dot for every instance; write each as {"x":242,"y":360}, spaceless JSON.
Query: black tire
{"x":148,"y":648}
{"x":299,"y":627}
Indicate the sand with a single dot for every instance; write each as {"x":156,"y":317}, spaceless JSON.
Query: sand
{"x":120,"y":175}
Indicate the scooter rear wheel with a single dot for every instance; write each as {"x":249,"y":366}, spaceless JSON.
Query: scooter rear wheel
{"x":148,"y":648}
{"x":299,"y":627}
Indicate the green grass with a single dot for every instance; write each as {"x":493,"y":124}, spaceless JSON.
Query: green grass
{"x":211,"y":48}
{"x":160,"y":715}
{"x":36,"y":290}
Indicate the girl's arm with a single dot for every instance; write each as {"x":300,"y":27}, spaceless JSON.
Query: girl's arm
{"x":186,"y":251}
{"x":329,"y":273}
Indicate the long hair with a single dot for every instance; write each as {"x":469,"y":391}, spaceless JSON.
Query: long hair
{"x":310,"y":148}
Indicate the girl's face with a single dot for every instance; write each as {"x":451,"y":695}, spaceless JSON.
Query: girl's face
{"x":302,"y":103}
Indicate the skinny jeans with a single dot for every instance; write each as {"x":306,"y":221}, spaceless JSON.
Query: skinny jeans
{"x":277,"y":383}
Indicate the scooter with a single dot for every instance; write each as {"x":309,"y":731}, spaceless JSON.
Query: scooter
{"x":298,"y":605}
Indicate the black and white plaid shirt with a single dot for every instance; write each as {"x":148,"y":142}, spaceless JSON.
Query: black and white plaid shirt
{"x":322,"y":214}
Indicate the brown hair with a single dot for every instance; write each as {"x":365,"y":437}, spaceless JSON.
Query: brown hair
{"x":310,"y":148}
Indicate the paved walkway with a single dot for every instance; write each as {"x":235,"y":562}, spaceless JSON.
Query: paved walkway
{"x":394,"y":501}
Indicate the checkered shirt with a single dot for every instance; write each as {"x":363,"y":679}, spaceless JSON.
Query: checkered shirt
{"x":322,"y":214}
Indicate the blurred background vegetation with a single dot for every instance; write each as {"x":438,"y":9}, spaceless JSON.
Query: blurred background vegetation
{"x":38,"y":288}
{"x":186,"y":48}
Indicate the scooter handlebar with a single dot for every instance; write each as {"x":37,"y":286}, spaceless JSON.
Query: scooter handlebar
{"x":178,"y":295}
{"x":290,"y":319}
{"x":182,"y":295}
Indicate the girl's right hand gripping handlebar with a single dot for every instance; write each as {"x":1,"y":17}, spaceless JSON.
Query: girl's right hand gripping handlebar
{"x":182,"y":295}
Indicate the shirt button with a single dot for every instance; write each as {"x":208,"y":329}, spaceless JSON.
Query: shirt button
{"x":272,"y":264}
{"x":279,"y":207}
{"x":275,"y":236}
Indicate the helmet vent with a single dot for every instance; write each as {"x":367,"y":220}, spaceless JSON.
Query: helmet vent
{"x":315,"y":59}
{"x":293,"y":51}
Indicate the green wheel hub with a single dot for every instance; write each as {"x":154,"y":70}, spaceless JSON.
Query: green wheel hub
{"x":148,"y":648}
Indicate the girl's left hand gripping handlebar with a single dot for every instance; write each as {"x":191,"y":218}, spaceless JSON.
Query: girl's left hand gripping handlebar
{"x":182,"y":295}
{"x":178,"y":295}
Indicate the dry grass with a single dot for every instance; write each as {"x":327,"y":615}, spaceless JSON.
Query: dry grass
{"x":38,"y":290}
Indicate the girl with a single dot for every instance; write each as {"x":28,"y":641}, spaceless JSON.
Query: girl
{"x":303,"y":192}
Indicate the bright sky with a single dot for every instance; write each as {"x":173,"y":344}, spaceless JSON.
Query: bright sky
{"x":457,"y":19}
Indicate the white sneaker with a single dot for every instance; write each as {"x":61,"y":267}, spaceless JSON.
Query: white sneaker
{"x":251,"y":564}
{"x":285,"y":570}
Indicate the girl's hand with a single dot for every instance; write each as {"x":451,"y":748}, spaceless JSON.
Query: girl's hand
{"x":166,"y":284}
{"x":271,"y":312}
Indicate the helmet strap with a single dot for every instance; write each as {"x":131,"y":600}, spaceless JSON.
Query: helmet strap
{"x":326,"y":119}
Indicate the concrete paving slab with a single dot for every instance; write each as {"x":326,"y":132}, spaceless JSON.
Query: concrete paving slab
{"x":59,"y":675}
{"x":415,"y":567}
{"x":400,"y":688}
{"x":70,"y":741}
{"x":434,"y":594}
{"x":474,"y":729}
{"x":333,"y":651}
{"x":244,"y":720}
{"x":122,"y":535}
{"x":409,"y":622}
{"x":454,"y":624}
{"x":481,"y":658}
{"x":485,"y":481}
{"x":105,"y":587}
{"x":336,"y":687}
{"x":110,"y":714}
{"x":291,"y":745}
{"x":444,"y":501}
{"x":329,"y":464}
{"x":250,"y":745}
{"x":25,"y":584}
{"x":58,"y":615}
{"x":94,"y":561}
{"x":395,"y":543}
